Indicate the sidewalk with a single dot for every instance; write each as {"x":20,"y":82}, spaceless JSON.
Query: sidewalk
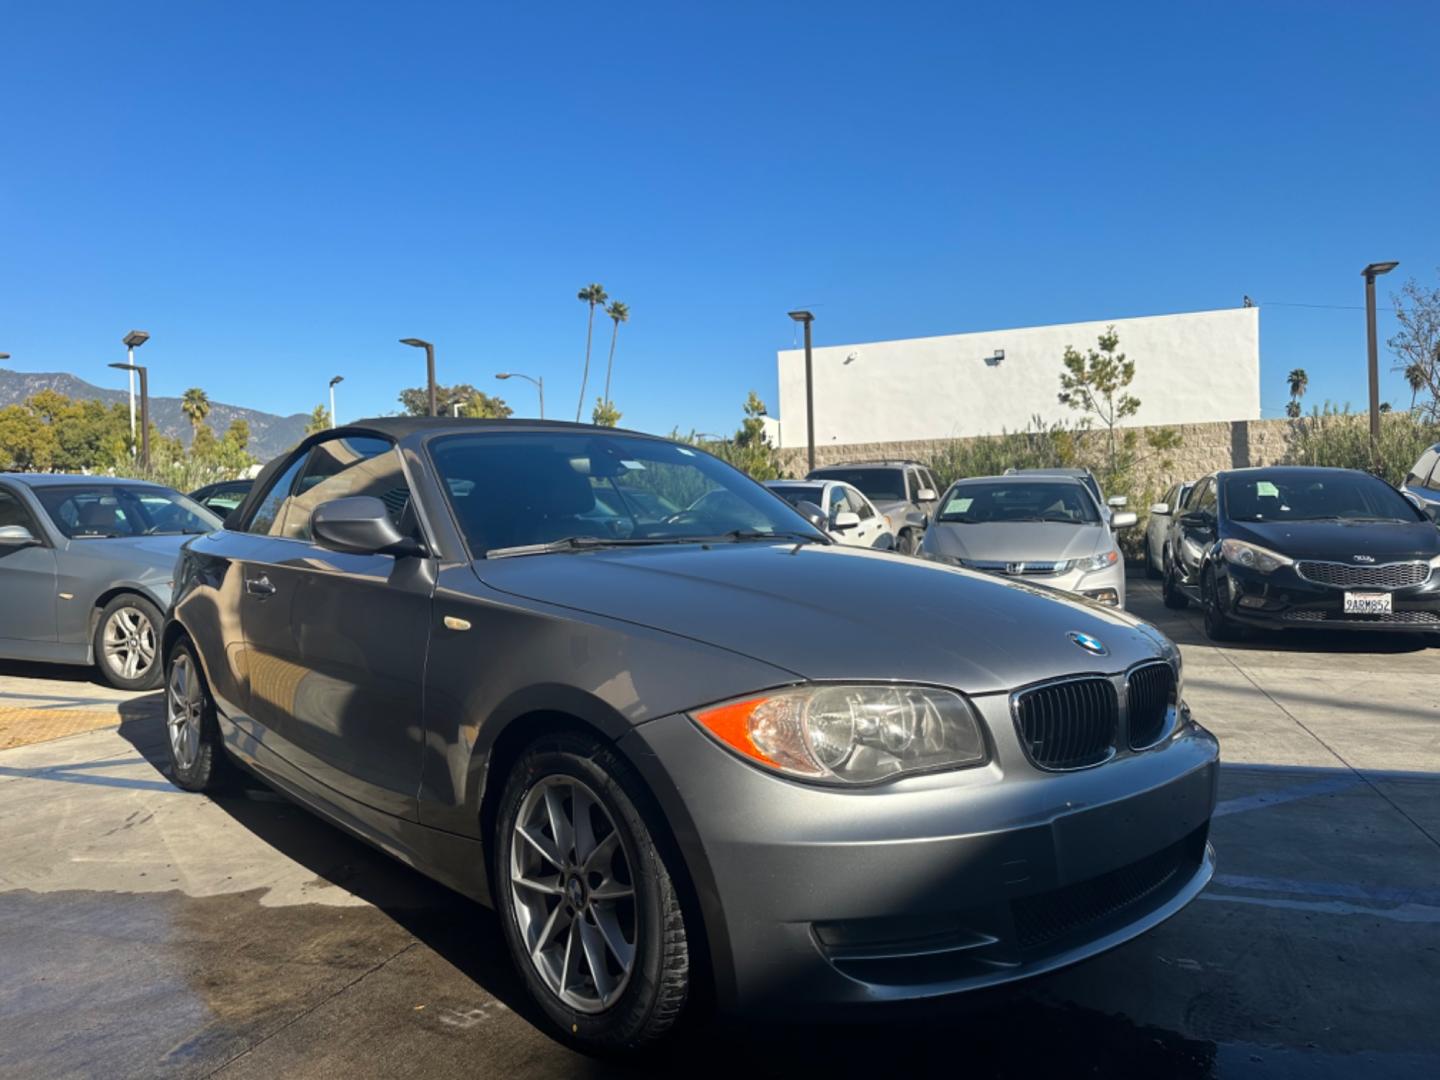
{"x":40,"y":702}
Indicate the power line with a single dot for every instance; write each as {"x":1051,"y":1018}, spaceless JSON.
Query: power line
{"x":1328,"y":307}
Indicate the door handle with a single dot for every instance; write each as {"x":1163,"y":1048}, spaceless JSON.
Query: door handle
{"x":259,"y":586}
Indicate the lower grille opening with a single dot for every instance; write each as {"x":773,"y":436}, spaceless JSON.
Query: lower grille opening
{"x":1392,"y":618}
{"x":1045,"y":918}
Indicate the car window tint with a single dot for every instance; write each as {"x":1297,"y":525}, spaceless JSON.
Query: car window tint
{"x":514,"y":490}
{"x":343,"y":467}
{"x":1337,"y":495}
{"x":222,"y":502}
{"x":840,"y":502}
{"x":880,"y":484}
{"x":1001,"y":501}
{"x":1435,"y":476}
{"x":269,"y":514}
{"x":1207,"y":497}
{"x":1424,"y":469}
{"x":13,"y":512}
{"x":859,"y":504}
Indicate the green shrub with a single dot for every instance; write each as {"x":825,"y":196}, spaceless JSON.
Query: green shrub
{"x":1341,"y":439}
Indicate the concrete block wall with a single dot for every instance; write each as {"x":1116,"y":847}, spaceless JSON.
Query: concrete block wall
{"x":1203,"y":449}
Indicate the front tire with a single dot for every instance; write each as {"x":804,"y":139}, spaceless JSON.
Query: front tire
{"x":197,"y":756}
{"x":1170,"y":592}
{"x":127,"y":643}
{"x":589,"y":909}
{"x":1218,"y":627}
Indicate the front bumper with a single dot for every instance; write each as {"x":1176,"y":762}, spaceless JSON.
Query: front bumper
{"x":934,"y":885}
{"x":1285,"y":600}
{"x":1101,"y":585}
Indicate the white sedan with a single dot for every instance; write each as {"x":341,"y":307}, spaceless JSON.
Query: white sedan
{"x":849,"y":516}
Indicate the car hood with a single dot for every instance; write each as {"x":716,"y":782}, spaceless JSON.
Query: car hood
{"x":157,"y":551}
{"x":1338,"y":541}
{"x":892,"y":507}
{"x":1015,"y":541}
{"x":833,"y":612}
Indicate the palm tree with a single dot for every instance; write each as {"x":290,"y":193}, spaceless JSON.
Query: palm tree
{"x":591,"y":294}
{"x":1299,"y":383}
{"x":620,"y":312}
{"x":196,"y":406}
{"x":1415,"y":376}
{"x":1292,"y":409}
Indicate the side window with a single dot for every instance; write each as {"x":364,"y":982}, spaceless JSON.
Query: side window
{"x":840,"y":501}
{"x":929,"y":480}
{"x":1424,"y":469}
{"x":13,"y":512}
{"x":337,"y":468}
{"x":270,"y":513}
{"x":1207,"y":497}
{"x":859,"y":504}
{"x":912,"y":479}
{"x":1434,"y":483}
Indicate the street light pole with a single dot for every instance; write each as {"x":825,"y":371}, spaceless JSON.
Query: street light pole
{"x":336,"y":379}
{"x":429,"y":367}
{"x":539,"y":385}
{"x":132,"y":341}
{"x":1371,"y":272}
{"x":807,"y":318}
{"x":144,"y":410}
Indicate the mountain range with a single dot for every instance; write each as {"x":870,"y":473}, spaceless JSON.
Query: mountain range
{"x":269,"y":434}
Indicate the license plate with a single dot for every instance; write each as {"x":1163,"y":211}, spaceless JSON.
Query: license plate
{"x":1368,"y":603}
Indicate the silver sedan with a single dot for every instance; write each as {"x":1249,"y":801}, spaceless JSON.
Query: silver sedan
{"x":86,"y":568}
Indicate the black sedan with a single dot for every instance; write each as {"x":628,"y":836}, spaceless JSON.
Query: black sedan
{"x":667,"y":737}
{"x":1303,"y":547}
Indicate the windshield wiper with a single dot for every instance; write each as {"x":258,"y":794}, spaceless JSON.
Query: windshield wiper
{"x":585,"y":543}
{"x":761,"y":534}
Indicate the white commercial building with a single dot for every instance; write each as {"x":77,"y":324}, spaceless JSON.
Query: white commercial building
{"x":1189,"y":368}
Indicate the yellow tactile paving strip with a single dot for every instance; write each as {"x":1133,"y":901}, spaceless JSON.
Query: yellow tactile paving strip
{"x":23,"y":725}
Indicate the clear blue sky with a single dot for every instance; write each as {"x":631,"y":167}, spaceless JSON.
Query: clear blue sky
{"x":279,"y":191}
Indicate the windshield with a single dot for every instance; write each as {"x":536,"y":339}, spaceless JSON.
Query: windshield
{"x":798,"y":493}
{"x":1341,"y":496}
{"x":879,"y":485}
{"x":1062,"y":502}
{"x":105,"y":511}
{"x":512,"y":491}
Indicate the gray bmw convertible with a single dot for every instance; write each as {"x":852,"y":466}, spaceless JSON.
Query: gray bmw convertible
{"x":672,"y":746}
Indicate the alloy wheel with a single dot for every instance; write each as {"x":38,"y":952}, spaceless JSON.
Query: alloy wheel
{"x":573,"y":894}
{"x":184,"y":703}
{"x":129,"y":642}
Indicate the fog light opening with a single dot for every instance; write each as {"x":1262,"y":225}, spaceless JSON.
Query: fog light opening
{"x":1252,"y":601}
{"x":1104,"y":596}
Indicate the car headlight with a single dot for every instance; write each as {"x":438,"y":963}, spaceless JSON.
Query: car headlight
{"x":1096,"y":562}
{"x":1253,"y":556}
{"x":851,"y":734}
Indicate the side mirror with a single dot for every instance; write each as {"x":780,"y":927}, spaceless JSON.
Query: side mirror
{"x":813,"y":514}
{"x":1117,"y":501}
{"x":360,"y":525}
{"x":846,"y":519}
{"x":1125,"y":519}
{"x":926,"y":495}
{"x":1160,"y":509}
{"x":14,"y":537}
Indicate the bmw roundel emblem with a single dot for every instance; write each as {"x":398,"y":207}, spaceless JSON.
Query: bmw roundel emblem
{"x":1088,"y":643}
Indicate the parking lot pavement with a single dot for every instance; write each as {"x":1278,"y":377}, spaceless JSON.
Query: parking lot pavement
{"x":148,"y":932}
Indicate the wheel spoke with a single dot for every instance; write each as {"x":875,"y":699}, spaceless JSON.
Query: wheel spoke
{"x":602,"y":851}
{"x":541,"y":845}
{"x":557,"y":921}
{"x":609,"y":926}
{"x":549,"y":886}
{"x":594,"y":946}
{"x":560,"y":825}
{"x":580,"y":804}
{"x":611,"y":890}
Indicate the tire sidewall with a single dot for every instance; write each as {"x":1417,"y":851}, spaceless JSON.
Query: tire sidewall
{"x":203,"y":773}
{"x":156,"y":675}
{"x":622,"y":1026}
